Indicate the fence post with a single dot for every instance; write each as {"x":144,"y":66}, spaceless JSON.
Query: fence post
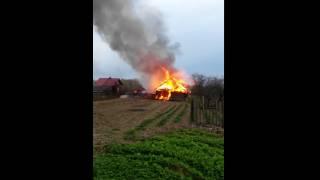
{"x":219,"y":109}
{"x":222,"y":110}
{"x":192,"y":110}
{"x":198,"y":116}
{"x":202,"y":111}
{"x":215,"y":117}
{"x":218,"y":114}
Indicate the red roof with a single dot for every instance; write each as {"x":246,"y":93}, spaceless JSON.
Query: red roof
{"x":108,"y":82}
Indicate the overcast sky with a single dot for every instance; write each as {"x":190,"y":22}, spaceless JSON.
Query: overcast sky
{"x":197,"y":25}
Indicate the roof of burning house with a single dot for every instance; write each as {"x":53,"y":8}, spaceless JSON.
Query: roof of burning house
{"x":108,"y":82}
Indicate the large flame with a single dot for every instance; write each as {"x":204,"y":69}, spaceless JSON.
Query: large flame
{"x":171,"y":84}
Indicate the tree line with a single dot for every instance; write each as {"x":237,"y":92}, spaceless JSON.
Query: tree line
{"x":207,"y":86}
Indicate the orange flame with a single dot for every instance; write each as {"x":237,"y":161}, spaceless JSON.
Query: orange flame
{"x":169,"y":85}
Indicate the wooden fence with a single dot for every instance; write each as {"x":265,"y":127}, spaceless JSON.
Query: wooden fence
{"x":207,"y":112}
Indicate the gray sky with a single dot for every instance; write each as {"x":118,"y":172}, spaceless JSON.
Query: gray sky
{"x":197,"y":25}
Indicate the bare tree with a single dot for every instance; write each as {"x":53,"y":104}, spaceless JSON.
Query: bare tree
{"x":199,"y":82}
{"x":210,"y":87}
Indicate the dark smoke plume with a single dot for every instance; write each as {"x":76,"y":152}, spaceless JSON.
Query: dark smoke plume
{"x":138,"y":35}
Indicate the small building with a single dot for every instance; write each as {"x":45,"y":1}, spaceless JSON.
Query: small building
{"x":107,"y":86}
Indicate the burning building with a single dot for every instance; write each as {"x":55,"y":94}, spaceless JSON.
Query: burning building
{"x":139,"y":37}
{"x":171,"y":88}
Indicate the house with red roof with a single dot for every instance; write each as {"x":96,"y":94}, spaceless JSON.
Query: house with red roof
{"x":109,"y":86}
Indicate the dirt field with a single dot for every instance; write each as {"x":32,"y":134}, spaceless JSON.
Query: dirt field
{"x":116,"y":119}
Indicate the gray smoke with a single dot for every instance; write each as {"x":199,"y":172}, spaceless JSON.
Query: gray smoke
{"x":138,"y":35}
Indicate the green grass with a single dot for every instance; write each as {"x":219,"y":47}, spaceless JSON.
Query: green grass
{"x":132,"y":133}
{"x":164,"y":119}
{"x":149,"y":121}
{"x":185,"y":154}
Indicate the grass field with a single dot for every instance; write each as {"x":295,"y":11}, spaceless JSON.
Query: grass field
{"x":185,"y":154}
{"x":138,"y":138}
